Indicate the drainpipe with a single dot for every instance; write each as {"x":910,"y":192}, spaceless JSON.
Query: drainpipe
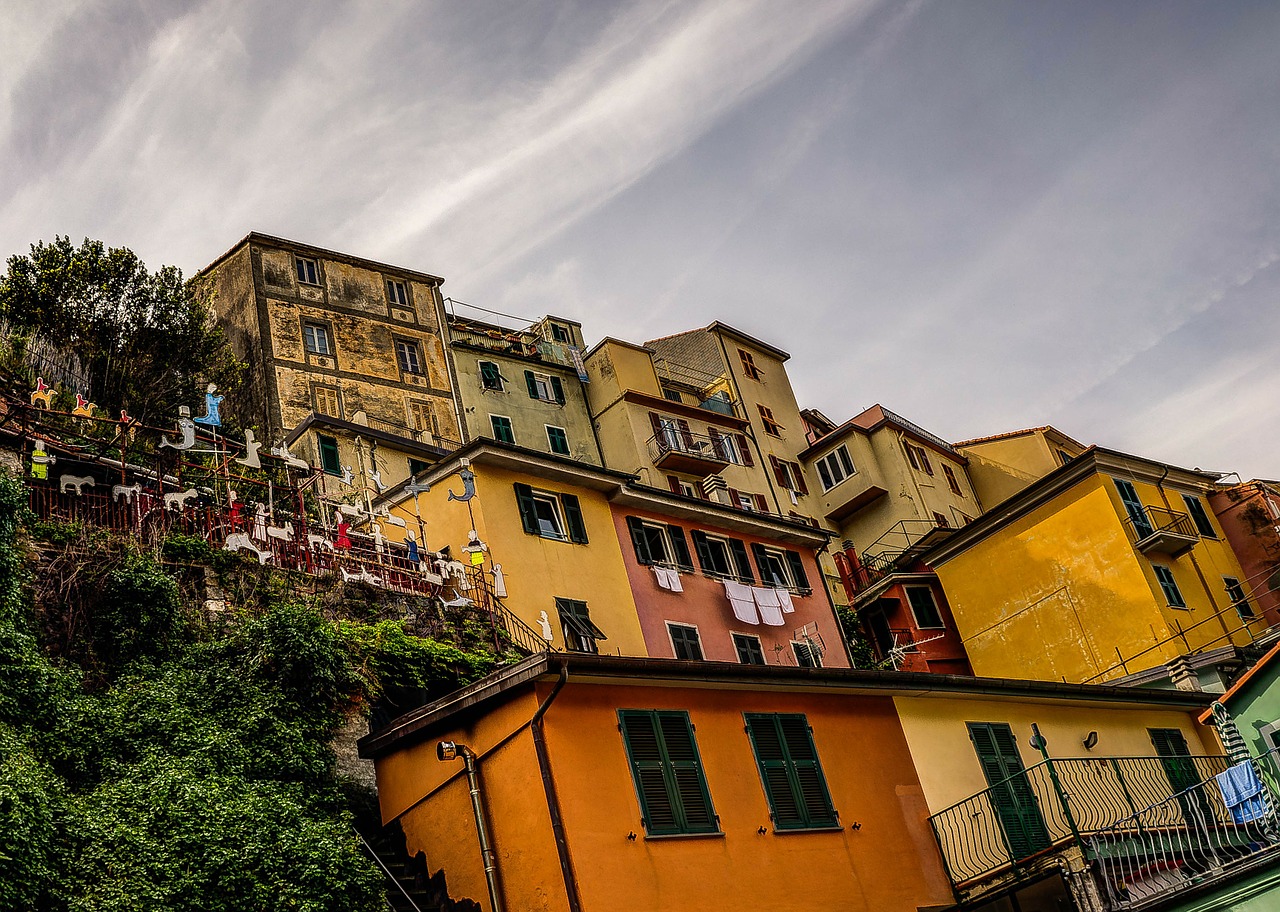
{"x":450,"y":750}
{"x":549,"y":787}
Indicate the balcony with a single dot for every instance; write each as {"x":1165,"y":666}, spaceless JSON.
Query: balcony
{"x":1143,"y":827}
{"x":894,"y":550}
{"x":519,"y":343}
{"x":695,"y":387}
{"x":1155,"y":529}
{"x":678,"y":450}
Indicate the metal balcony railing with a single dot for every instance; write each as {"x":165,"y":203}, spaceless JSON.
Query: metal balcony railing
{"x":521,"y":343}
{"x":675,"y":441}
{"x":408,"y":433}
{"x":1158,"y":529}
{"x":710,"y":391}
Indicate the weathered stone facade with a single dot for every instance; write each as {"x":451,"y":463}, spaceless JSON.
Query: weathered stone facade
{"x":328,"y":333}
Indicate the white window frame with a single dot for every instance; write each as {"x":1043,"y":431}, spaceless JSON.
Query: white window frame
{"x":312,"y":333}
{"x":551,"y":446}
{"x":542,"y":383}
{"x":397,"y":293}
{"x":688,"y":490}
{"x":668,"y":553}
{"x":781,"y":559}
{"x":942,"y":624}
{"x":672,"y":640}
{"x":502,"y":382}
{"x":510,"y":425}
{"x":557,"y":516}
{"x":309,"y":266}
{"x":732,"y":569}
{"x":836,"y":467}
{"x":747,"y":502}
{"x":413,"y":363}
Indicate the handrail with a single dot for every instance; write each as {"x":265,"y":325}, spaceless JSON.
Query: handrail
{"x":1143,"y":522}
{"x":387,"y":873}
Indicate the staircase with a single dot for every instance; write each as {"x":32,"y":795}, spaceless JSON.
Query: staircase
{"x":410,"y":888}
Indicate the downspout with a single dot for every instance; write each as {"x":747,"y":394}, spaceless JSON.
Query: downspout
{"x":549,"y":787}
{"x":449,"y":750}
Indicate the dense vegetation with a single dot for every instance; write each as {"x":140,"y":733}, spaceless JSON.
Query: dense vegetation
{"x":157,"y":755}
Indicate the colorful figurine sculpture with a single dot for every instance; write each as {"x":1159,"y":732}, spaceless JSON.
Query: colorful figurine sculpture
{"x":84,"y":408}
{"x":251,"y":447}
{"x":42,"y":395}
{"x":188,"y":428}
{"x":211,"y":403}
{"x":40,"y":462}
{"x":468,"y":486}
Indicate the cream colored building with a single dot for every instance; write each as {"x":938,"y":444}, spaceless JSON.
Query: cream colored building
{"x":1002,"y":465}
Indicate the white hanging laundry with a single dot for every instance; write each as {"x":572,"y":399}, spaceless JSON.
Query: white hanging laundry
{"x":770,"y":606}
{"x":660,"y":574}
{"x":784,"y":599}
{"x":673,"y":580}
{"x":742,"y":601}
{"x":499,"y":583}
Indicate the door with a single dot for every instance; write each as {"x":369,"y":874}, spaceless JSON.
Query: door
{"x":1015,"y":803}
{"x":1133,"y":506}
{"x":1180,"y":769}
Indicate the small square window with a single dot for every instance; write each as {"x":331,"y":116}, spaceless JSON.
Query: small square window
{"x":560,"y":334}
{"x":490,"y":377}
{"x":550,"y":515}
{"x":316,"y":338}
{"x":749,"y":365}
{"x":771,"y":424}
{"x":502,"y":430}
{"x":544,"y":387}
{"x":409,"y":356}
{"x":558,"y":440}
{"x":685,"y":642}
{"x":672,"y":395}
{"x":330,"y":462}
{"x":773,"y":568}
{"x":835,"y":467}
{"x":308,"y":270}
{"x":397,"y":293}
{"x":748,"y":648}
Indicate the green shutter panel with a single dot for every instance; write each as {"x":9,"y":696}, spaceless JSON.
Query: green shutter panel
{"x":1134,"y":507}
{"x":528,"y":512}
{"x":762,"y":560}
{"x":531,"y":384}
{"x":573,"y":518}
{"x":694,"y":801}
{"x":772,"y":759}
{"x":1010,"y":790}
{"x":797,"y":569}
{"x":644,"y":751}
{"x":740,"y":559}
{"x":815,"y":800}
{"x":680,"y":549}
{"x":638,"y":541}
{"x":557,"y":389}
{"x":704,"y":552}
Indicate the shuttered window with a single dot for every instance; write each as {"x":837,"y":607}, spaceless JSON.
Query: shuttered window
{"x":1195,"y":506}
{"x":790,"y":771}
{"x":1169,"y":586}
{"x":667,"y":772}
{"x":1016,"y":805}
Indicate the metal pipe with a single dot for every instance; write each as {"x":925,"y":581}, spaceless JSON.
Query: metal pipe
{"x":549,"y":788}
{"x":449,"y":750}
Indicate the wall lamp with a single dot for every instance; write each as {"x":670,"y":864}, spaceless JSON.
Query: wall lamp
{"x":452,"y":750}
{"x":1091,"y":740}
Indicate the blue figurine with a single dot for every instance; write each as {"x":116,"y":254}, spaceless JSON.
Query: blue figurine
{"x":211,"y":403}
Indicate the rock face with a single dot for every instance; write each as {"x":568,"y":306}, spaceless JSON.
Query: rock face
{"x":344,"y":748}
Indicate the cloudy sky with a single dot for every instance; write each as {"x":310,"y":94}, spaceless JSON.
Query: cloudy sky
{"x":986,"y":215}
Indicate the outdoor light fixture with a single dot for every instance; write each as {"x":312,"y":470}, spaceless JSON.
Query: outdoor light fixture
{"x":1091,"y":740}
{"x":452,"y":750}
{"x":446,"y":750}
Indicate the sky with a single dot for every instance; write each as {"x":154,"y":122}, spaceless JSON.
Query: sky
{"x":984,"y":215}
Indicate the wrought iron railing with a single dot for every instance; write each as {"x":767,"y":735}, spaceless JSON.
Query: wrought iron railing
{"x":710,"y":390}
{"x":920,"y":432}
{"x":1189,"y":837}
{"x":687,"y":443}
{"x":400,"y":430}
{"x":521,"y":343}
{"x":1144,"y":522}
{"x":1014,"y":825}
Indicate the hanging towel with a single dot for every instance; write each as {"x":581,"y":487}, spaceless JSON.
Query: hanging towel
{"x":1242,"y":792}
{"x":664,"y":581}
{"x":784,"y":599}
{"x":769,"y":604}
{"x":743,"y":602}
{"x":668,"y":579}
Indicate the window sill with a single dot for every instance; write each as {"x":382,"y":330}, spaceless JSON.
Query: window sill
{"x":801,"y":830}
{"x":663,"y":837}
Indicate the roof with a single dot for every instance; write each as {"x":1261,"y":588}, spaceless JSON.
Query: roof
{"x":467,"y":703}
{"x":878,"y":416}
{"x":1243,"y":681}
{"x":405,"y":443}
{"x":727,"y":330}
{"x":321,"y":252}
{"x":1043,"y":429}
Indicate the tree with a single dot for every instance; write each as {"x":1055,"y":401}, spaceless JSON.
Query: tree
{"x":147,"y":339}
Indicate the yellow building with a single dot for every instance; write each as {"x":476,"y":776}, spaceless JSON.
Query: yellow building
{"x":335,"y":335}
{"x":1003,"y":464}
{"x":1106,"y":566}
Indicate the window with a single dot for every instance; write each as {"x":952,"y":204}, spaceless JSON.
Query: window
{"x":924,"y":608}
{"x":502,"y":430}
{"x":748,"y":648}
{"x":722,"y":556}
{"x":771,"y":425}
{"x":1239,"y":601}
{"x":790,"y":771}
{"x":780,"y":569}
{"x":324,"y":400}
{"x":1195,"y":506}
{"x":1133,"y":507}
{"x":1169,"y":587}
{"x":560,"y":334}
{"x":941,"y":521}
{"x":545,"y":387}
{"x":417,"y":467}
{"x":655,"y":543}
{"x":308,"y":270}
{"x":951,"y":480}
{"x":329,"y":460}
{"x":684,"y":488}
{"x":490,"y":377}
{"x":667,"y":772}
{"x":580,"y":632}
{"x":1063,"y":457}
{"x":671,"y":394}
{"x":807,"y":655}
{"x":918,"y":457}
{"x":788,"y":475}
{"x":408,"y":354}
{"x":548,"y":515}
{"x":834,"y":468}
{"x":422,"y":417}
{"x":749,"y":365}
{"x":397,"y":293}
{"x":316,"y":338}
{"x":558,"y":440}
{"x":744,"y":501}
{"x":685,"y":642}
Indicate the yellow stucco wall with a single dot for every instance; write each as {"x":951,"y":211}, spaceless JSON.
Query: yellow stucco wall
{"x":1002,"y":468}
{"x":538,"y":570}
{"x":948,"y":766}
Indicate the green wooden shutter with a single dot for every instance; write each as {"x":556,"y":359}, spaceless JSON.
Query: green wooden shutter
{"x":762,"y":561}
{"x":557,"y":389}
{"x":797,"y":569}
{"x":528,"y":512}
{"x":740,"y":560}
{"x":1180,"y":769}
{"x":638,"y":540}
{"x":1133,"y":506}
{"x":573,"y":519}
{"x":789,"y":771}
{"x":686,"y":773}
{"x":704,"y":551}
{"x":1010,"y":790}
{"x":680,"y":550}
{"x":531,"y":384}
{"x":667,"y":772}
